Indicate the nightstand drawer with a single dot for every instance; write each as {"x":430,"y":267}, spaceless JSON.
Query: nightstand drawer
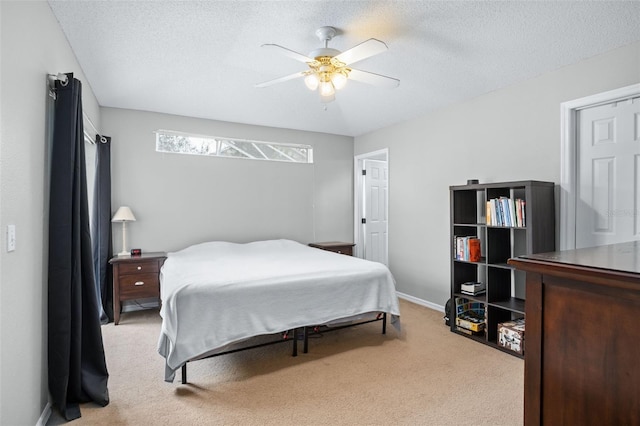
{"x":348,"y":250}
{"x":141,"y":267}
{"x":139,"y":285}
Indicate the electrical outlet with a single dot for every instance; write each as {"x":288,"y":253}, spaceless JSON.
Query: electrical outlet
{"x":11,"y":237}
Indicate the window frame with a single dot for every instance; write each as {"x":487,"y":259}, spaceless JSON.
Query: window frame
{"x":225,"y":143}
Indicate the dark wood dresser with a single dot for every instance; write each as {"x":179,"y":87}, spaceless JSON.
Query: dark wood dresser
{"x":135,"y":277}
{"x":582,"y":338}
{"x":335,"y":246}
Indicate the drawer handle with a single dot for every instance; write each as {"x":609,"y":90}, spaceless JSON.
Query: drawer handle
{"x":339,"y":252}
{"x":139,"y":268}
{"x":139,"y":283}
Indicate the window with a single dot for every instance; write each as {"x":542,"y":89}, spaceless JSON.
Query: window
{"x":181,"y":143}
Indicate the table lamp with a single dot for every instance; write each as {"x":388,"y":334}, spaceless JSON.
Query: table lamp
{"x":124,"y":215}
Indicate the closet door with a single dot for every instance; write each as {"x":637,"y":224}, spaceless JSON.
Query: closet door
{"x":608,"y":196}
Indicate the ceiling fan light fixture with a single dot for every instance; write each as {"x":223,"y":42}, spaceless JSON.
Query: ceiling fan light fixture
{"x":327,"y":99}
{"x":311,"y":81}
{"x":339,"y":80}
{"x":329,"y":69}
{"x":326,"y":89}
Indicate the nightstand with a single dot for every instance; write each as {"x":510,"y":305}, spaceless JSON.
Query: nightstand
{"x":335,"y":246}
{"x":135,"y":277}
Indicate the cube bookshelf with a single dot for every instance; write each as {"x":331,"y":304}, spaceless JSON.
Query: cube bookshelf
{"x":527,"y":227}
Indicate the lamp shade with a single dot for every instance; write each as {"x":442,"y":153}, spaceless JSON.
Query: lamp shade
{"x":124,"y":214}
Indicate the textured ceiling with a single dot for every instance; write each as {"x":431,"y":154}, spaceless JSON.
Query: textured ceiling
{"x":202,"y":58}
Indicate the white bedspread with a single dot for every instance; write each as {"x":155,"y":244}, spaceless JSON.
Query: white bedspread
{"x":218,"y":293}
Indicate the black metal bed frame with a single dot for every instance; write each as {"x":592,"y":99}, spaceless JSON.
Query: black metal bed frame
{"x":291,"y":335}
{"x":382,"y":316}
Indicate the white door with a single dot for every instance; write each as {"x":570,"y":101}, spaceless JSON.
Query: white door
{"x":608,"y":174}
{"x":376,"y":187}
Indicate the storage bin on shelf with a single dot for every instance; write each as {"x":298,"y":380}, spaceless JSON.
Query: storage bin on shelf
{"x":470,"y":316}
{"x":511,"y":335}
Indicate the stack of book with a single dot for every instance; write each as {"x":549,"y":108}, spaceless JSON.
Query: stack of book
{"x":470,"y":316}
{"x":467,"y":248}
{"x":504,"y":211}
{"x":473,"y":288}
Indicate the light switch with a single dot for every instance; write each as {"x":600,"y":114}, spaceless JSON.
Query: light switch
{"x":11,"y":237}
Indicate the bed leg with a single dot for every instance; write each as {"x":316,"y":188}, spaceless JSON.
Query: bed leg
{"x":384,"y":323}
{"x":184,"y":373}
{"x":305,"y":334}
{"x":295,"y":342}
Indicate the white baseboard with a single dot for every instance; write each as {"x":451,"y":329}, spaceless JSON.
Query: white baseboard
{"x":421,"y":302}
{"x":44,"y":417}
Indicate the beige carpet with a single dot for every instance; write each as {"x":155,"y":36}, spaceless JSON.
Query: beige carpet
{"x":424,"y":376}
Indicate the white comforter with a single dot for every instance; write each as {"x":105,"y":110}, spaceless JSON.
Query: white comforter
{"x":218,"y":293}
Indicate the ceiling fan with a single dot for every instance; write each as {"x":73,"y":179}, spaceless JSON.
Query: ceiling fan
{"x":329,"y":69}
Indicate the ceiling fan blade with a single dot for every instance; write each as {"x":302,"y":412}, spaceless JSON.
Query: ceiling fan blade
{"x":281,"y":79}
{"x":362,"y":51}
{"x":373,"y":79}
{"x":288,"y":52}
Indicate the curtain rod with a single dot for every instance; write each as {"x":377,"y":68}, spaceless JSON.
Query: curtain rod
{"x":64,"y":80}
{"x":93,"y":126}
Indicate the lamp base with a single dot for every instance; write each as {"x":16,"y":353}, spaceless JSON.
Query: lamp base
{"x":123,"y":253}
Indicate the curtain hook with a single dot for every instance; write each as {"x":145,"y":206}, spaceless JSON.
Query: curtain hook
{"x":61,"y":77}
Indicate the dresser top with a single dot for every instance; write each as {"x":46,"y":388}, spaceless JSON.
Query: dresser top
{"x":143,"y":256}
{"x":622,"y":257}
{"x":329,"y":244}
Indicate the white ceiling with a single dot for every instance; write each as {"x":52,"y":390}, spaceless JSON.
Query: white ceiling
{"x":202,"y":58}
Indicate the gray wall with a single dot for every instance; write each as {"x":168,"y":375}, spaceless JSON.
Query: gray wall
{"x":32,"y":45}
{"x":509,"y":134}
{"x":181,"y":199}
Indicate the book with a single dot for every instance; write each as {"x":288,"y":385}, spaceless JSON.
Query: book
{"x":499,"y":212}
{"x":494,"y":213}
{"x":467,"y":248}
{"x":470,"y":293}
{"x":474,"y":249}
{"x":506,"y":211}
{"x":459,"y":249}
{"x":469,"y":332}
{"x":472,"y":287}
{"x":512,"y":212}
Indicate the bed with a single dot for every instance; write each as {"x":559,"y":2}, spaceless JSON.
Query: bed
{"x":218,"y":294}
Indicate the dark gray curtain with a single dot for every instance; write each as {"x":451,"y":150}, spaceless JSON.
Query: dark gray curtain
{"x":101,"y":227}
{"x":77,"y":367}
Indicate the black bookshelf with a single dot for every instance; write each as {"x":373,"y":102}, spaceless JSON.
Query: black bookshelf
{"x":504,"y":299}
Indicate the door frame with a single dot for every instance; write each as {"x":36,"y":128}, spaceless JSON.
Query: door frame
{"x":358,"y":188}
{"x":568,"y":155}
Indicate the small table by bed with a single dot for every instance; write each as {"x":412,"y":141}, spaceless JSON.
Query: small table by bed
{"x":335,"y":246}
{"x":135,"y":277}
